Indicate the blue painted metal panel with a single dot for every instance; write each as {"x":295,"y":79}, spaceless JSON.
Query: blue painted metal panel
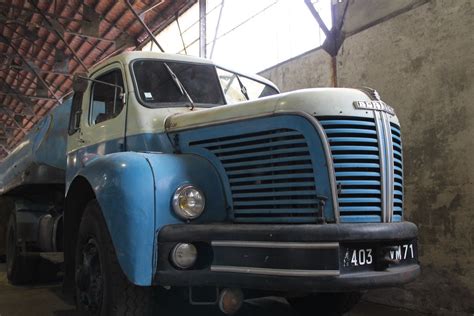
{"x":336,"y":148}
{"x":362,"y":209}
{"x":357,"y":165}
{"x":349,"y":131}
{"x":352,"y":139}
{"x":124,"y":187}
{"x":149,"y":142}
{"x":360,"y":219}
{"x":355,"y":156}
{"x":171,"y":171}
{"x":135,"y":190}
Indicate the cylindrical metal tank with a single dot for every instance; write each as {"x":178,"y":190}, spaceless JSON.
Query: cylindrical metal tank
{"x":41,"y":157}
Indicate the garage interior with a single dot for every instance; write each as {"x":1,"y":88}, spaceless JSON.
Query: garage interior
{"x":418,"y":54}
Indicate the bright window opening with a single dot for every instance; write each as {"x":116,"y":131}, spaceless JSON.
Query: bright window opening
{"x":251,"y":35}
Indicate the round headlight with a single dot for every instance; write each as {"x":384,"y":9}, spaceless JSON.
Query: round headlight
{"x":188,"y":202}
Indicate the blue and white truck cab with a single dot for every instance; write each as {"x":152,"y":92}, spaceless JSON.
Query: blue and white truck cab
{"x":175,"y":173}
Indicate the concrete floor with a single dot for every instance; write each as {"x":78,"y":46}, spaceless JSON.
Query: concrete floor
{"x":47,"y":299}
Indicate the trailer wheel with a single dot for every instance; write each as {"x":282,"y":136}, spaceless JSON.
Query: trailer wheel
{"x":330,"y":304}
{"x":20,"y":269}
{"x":101,"y":286}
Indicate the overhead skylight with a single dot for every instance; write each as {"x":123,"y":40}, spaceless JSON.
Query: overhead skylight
{"x":252,"y":35}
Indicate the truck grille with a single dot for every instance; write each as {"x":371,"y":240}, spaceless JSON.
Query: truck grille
{"x":270,"y":174}
{"x":398,"y":172}
{"x":355,"y":151}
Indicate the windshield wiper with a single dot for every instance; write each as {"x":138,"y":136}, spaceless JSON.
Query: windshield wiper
{"x":179,"y":85}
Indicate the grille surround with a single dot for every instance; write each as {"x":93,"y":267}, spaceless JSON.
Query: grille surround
{"x":275,"y":169}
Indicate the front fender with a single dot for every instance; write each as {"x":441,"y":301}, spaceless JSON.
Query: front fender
{"x":134,"y":191}
{"x":123,"y":184}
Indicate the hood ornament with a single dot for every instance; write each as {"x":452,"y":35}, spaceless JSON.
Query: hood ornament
{"x":375,"y":105}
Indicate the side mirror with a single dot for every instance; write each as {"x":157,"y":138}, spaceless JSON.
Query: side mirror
{"x":80,"y":83}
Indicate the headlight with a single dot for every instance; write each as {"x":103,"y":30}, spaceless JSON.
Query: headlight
{"x":188,"y":202}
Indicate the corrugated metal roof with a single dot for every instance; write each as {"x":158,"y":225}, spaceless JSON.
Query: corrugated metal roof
{"x":43,"y":43}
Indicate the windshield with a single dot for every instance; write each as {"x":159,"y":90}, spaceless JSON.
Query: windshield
{"x":157,"y":87}
{"x":238,"y":88}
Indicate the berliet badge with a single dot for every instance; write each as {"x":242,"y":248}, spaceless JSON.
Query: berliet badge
{"x":374,"y":105}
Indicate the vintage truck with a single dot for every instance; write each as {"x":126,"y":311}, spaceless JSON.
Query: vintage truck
{"x":170,"y":174}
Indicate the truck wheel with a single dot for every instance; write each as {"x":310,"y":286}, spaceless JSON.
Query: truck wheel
{"x":101,"y":286}
{"x":330,"y":304}
{"x":20,"y":269}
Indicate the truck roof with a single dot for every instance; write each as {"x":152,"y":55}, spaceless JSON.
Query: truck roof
{"x":127,"y":57}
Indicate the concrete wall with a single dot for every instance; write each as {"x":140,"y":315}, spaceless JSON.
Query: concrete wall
{"x":312,"y":69}
{"x":422,"y":63}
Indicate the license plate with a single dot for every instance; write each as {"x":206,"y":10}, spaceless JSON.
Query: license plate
{"x":364,"y":257}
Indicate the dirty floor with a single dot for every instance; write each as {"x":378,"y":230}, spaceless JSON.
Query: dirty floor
{"x":47,"y":299}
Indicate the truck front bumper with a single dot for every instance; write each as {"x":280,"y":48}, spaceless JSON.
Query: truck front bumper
{"x":311,"y":258}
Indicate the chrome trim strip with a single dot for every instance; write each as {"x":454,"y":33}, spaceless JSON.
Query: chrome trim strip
{"x":317,"y":125}
{"x":329,"y":160}
{"x":265,"y":244}
{"x":390,"y":168}
{"x":384,"y":133}
{"x":379,"y":125}
{"x":275,"y":272}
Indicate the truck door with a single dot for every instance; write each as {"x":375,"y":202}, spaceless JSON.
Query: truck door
{"x":102,"y":126}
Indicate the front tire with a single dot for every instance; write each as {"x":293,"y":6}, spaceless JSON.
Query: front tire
{"x":330,"y":304}
{"x":101,"y":286}
{"x":20,"y":269}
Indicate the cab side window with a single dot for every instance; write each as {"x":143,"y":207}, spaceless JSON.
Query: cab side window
{"x":107,"y":93}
